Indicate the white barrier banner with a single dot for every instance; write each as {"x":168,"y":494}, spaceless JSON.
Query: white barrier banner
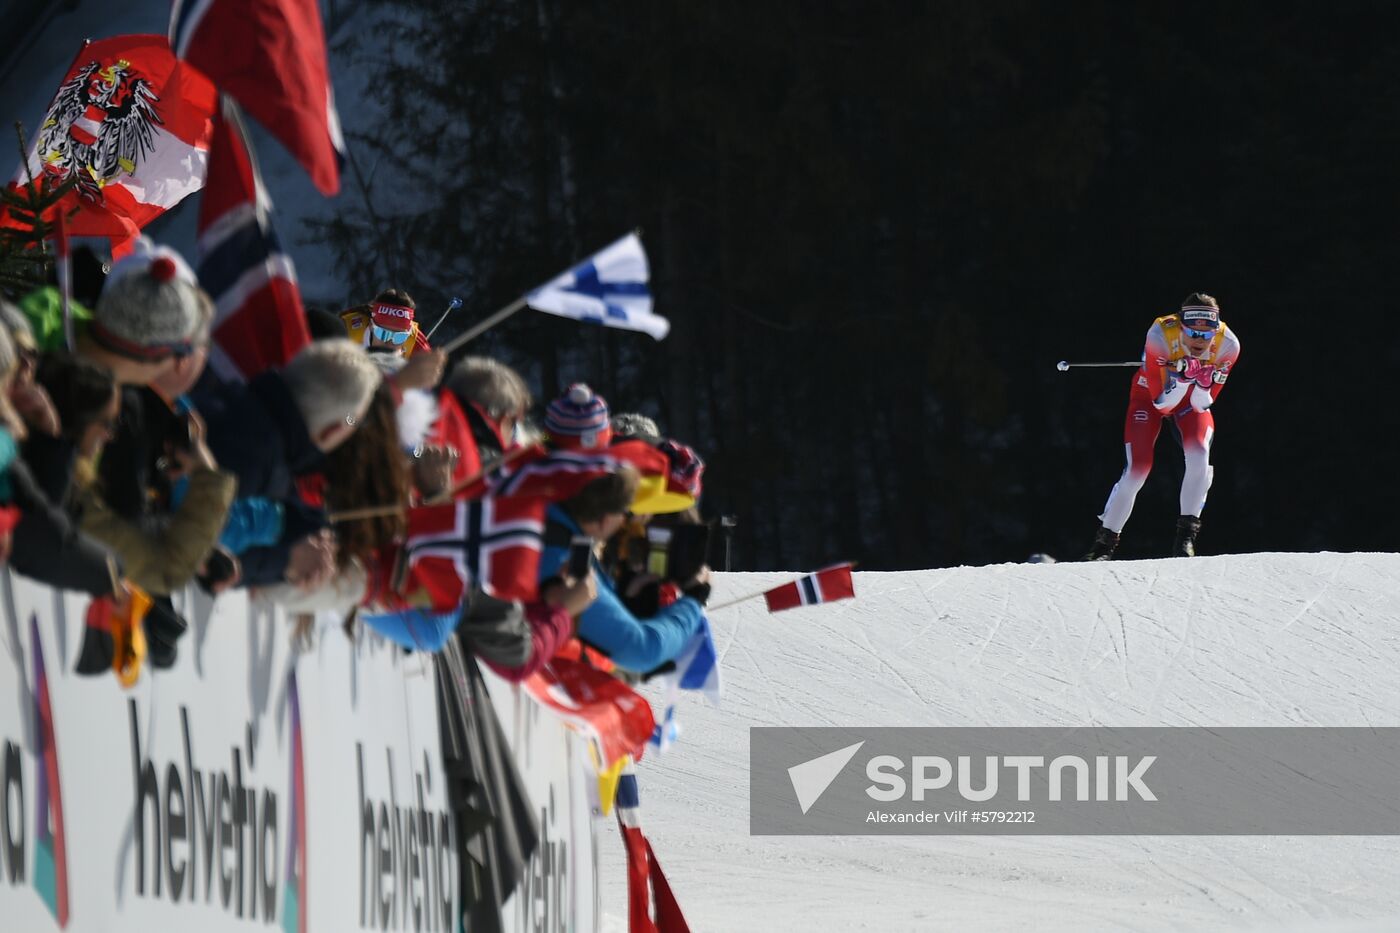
{"x":560,"y":892}
{"x":251,"y":786}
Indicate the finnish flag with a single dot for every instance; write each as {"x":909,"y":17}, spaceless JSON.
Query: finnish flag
{"x":609,"y":289}
{"x":697,"y":668}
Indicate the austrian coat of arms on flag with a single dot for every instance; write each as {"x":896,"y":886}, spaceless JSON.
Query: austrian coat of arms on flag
{"x":130,"y":125}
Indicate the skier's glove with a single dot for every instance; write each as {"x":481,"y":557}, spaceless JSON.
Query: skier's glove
{"x":1193,"y":370}
{"x":1201,"y":398}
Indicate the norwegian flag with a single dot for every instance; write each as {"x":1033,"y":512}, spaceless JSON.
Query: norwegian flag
{"x":271,"y":56}
{"x":647,"y":887}
{"x":824,"y":586}
{"x":130,"y":127}
{"x":556,"y":475}
{"x":259,"y":322}
{"x":489,"y":543}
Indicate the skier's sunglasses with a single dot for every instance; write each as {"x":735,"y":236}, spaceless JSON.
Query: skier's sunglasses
{"x":1200,"y":334}
{"x":397,"y":337}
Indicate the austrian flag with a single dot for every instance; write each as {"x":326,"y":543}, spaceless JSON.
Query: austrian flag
{"x":130,"y":126}
{"x":824,"y":586}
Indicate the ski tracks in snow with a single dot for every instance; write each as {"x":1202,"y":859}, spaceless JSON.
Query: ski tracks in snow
{"x":1246,"y":640}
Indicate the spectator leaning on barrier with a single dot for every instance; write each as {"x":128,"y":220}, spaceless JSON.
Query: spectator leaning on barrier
{"x":278,"y":427}
{"x":150,"y":327}
{"x":44,"y":543}
{"x":31,"y":402}
{"x":640,"y":645}
{"x":635,"y":426}
{"x":87,"y":401}
{"x":11,"y":429}
{"x":494,"y":399}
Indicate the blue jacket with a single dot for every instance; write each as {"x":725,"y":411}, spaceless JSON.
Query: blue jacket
{"x":635,"y":644}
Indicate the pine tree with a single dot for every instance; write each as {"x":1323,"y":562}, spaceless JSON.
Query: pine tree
{"x":25,"y":259}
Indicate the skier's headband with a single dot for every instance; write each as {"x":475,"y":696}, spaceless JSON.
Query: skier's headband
{"x":1200,"y":314}
{"x":143,"y":353}
{"x":391,"y":316}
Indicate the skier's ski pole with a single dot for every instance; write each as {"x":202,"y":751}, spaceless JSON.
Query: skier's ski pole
{"x":452,"y":305}
{"x":482,"y":327}
{"x":1065,"y":366}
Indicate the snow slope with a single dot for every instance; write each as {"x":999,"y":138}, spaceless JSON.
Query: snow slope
{"x":1247,"y":640}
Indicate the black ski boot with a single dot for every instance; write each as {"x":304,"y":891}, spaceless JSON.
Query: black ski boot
{"x":1105,"y":543}
{"x":1187,"y":527}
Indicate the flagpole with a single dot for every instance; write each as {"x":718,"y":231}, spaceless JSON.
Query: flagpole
{"x":753,"y":596}
{"x":483,"y":326}
{"x":64,"y":268}
{"x":741,"y":599}
{"x":509,"y":458}
{"x":369,"y":511}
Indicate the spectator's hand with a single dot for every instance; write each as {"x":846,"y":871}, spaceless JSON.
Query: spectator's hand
{"x":573,"y":596}
{"x":219,"y":572}
{"x":640,"y":582}
{"x":198,"y":455}
{"x":698,"y":587}
{"x":312,"y":562}
{"x":35,"y":407}
{"x":422,"y":371}
{"x":432,"y":470}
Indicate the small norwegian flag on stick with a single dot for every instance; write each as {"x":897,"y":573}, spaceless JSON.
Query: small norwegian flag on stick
{"x":824,"y":586}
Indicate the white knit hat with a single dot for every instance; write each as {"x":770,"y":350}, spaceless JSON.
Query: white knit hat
{"x":150,"y":304}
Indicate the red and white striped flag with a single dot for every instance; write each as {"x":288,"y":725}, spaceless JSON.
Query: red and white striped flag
{"x":824,"y":586}
{"x":131,"y":125}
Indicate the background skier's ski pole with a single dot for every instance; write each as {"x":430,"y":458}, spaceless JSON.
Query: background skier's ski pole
{"x":452,"y":305}
{"x":1064,"y":366}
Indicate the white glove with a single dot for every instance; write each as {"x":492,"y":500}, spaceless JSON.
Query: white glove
{"x":1172,"y":395}
{"x":1200,"y":398}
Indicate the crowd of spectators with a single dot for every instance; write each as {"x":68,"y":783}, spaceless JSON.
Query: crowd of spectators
{"x":129,"y":470}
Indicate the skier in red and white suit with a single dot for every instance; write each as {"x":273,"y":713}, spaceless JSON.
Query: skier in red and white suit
{"x":1186,"y":361}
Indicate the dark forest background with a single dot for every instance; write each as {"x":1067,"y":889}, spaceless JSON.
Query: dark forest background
{"x":876,"y":227}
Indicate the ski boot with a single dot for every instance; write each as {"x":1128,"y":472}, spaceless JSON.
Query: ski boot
{"x":1187,"y":527}
{"x":1105,"y":543}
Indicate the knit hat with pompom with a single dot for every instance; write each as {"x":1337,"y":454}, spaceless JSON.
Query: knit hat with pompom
{"x":150,"y":307}
{"x":578,"y":419}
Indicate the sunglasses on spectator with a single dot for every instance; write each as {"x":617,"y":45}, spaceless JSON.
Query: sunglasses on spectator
{"x":397,"y":337}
